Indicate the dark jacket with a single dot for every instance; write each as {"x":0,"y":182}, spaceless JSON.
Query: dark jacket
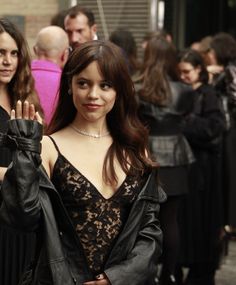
{"x":225,"y":85}
{"x":31,"y":202}
{"x":165,"y":123}
{"x":206,"y":124}
{"x":202,"y":212}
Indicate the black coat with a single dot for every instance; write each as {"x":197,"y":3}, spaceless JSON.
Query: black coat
{"x":31,"y":202}
{"x":206,"y":124}
{"x":201,"y":211}
{"x":225,"y":84}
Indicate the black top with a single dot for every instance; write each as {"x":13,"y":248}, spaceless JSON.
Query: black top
{"x":97,"y":220}
{"x":5,"y":154}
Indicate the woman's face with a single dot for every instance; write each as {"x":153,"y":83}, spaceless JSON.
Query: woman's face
{"x":188,"y":73}
{"x":8,"y":58}
{"x":93,"y":95}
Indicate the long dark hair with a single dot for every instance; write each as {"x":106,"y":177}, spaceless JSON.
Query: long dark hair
{"x":159,"y":66}
{"x":194,"y":58}
{"x":125,"y":39}
{"x":129,"y":135}
{"x":21,"y":87}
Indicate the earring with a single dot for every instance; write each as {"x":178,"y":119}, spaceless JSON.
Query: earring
{"x":69,"y":91}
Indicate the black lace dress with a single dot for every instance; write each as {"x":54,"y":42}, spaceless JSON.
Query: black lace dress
{"x":97,"y":220}
{"x":16,"y":248}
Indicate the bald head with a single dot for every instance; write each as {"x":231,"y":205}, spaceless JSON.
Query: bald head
{"x":51,"y":44}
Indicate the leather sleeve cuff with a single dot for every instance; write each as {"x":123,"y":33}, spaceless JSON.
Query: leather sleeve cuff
{"x":23,"y":135}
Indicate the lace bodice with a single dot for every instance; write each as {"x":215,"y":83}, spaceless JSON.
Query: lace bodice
{"x":97,"y":220}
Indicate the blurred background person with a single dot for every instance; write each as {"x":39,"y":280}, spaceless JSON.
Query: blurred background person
{"x":204,"y":49}
{"x":223,"y":54}
{"x":195,"y":46}
{"x":201,"y":216}
{"x":163,"y":103}
{"x":16,"y":83}
{"x":80,"y":25}
{"x":158,"y":33}
{"x":52,"y":51}
{"x":124,"y":39}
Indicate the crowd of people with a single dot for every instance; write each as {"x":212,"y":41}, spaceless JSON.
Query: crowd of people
{"x":114,"y":170}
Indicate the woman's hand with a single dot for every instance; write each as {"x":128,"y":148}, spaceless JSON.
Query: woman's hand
{"x":25,"y":111}
{"x":215,"y":69}
{"x":101,"y":279}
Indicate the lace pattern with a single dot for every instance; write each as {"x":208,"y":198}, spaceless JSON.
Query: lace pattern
{"x":97,"y":220}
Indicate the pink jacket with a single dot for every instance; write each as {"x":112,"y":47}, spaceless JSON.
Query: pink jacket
{"x":47,"y":77}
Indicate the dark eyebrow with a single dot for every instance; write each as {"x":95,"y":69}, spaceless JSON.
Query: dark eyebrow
{"x":106,"y":81}
{"x":3,"y":49}
{"x":83,"y":78}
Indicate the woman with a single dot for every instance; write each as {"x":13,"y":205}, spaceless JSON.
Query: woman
{"x":16,"y":83}
{"x":125,"y":40}
{"x":99,"y":213}
{"x":202,"y":211}
{"x":164,"y":102}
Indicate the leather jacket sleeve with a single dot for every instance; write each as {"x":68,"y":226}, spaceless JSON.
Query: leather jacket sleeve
{"x":20,"y":187}
{"x":140,"y":266}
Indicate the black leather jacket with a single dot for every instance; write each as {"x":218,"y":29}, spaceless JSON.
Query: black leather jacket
{"x":167,"y":143}
{"x":31,"y":202}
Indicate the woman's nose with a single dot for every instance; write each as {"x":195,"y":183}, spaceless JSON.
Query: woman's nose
{"x":93,"y":93}
{"x":7,"y":59}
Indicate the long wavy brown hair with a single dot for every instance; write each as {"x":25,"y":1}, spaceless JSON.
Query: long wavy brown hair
{"x":21,"y":86}
{"x":130,"y":137}
{"x":159,"y":67}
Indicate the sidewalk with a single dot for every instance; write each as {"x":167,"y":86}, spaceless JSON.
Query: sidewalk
{"x":226,"y":275}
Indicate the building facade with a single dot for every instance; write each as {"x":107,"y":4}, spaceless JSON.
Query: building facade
{"x":186,"y":20}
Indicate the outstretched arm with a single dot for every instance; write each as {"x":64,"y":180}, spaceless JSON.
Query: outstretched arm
{"x":20,"y":207}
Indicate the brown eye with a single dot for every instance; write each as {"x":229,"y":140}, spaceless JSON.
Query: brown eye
{"x":15,"y":53}
{"x":105,"y":85}
{"x":82,"y":83}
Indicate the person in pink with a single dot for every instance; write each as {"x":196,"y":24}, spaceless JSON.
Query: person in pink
{"x":51,"y":50}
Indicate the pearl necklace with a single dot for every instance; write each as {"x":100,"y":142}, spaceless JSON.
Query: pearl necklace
{"x":96,"y":136}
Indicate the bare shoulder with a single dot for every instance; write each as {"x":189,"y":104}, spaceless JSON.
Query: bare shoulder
{"x":47,"y":144}
{"x":49,"y":154}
